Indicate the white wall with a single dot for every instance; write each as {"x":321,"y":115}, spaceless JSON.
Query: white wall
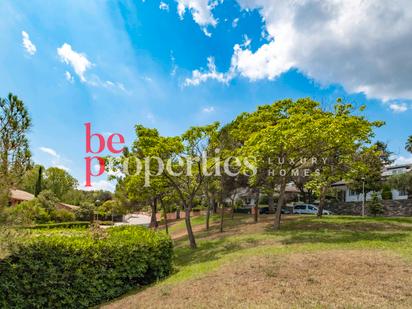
{"x":359,"y":197}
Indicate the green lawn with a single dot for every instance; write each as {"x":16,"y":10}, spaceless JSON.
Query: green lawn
{"x":217,"y":273}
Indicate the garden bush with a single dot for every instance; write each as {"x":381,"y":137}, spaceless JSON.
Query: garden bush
{"x":26,"y":213}
{"x":386,"y":193}
{"x":57,"y":271}
{"x":62,"y":215}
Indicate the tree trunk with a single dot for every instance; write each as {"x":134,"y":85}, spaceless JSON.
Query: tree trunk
{"x":271,"y":203}
{"x":189,"y":229}
{"x":153,"y":220}
{"x":322,"y":197}
{"x":222,"y":211}
{"x":281,"y":201}
{"x":256,"y":215}
{"x":208,"y":216}
{"x":233,"y":210}
{"x":177,"y":213}
{"x":214,"y":206}
{"x":165,"y":216}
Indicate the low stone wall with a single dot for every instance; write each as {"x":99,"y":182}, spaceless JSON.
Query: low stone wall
{"x":391,"y":208}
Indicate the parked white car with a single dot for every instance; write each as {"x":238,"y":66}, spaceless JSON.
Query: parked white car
{"x":306,"y":209}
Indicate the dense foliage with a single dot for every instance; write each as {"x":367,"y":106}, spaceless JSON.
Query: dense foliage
{"x":15,"y":155}
{"x":63,"y":271}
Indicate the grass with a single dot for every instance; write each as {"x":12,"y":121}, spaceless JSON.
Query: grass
{"x":336,"y":261}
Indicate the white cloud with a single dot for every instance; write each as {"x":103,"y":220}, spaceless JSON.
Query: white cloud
{"x":163,"y":6}
{"x":400,"y":160}
{"x":56,"y":159}
{"x":201,"y":11}
{"x":208,"y":109}
{"x":201,"y":76}
{"x":363,"y":45}
{"x":27,"y":44}
{"x":69,"y":77}
{"x":398,"y":107}
{"x":78,"y":61}
{"x":174,"y":65}
{"x":99,"y":185}
{"x":62,"y":167}
{"x":235,"y":22}
{"x":50,"y":151}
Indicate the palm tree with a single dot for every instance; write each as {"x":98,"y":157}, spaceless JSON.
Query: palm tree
{"x":408,"y":145}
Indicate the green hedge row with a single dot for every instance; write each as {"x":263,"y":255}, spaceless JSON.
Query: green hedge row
{"x":57,"y":271}
{"x":64,"y":225}
{"x":61,"y":225}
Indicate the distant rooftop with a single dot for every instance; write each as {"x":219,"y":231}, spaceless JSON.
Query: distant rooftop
{"x":20,"y":195}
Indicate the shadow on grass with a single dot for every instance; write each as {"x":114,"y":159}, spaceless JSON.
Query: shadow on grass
{"x":213,"y":245}
{"x":343,"y":237}
{"x":353,"y":224}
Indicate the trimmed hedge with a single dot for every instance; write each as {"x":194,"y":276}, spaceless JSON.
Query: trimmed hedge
{"x":61,"y":225}
{"x":64,"y":225}
{"x":57,"y":271}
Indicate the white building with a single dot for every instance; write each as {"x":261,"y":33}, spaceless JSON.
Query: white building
{"x":348,"y":195}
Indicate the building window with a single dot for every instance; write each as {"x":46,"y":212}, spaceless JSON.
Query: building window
{"x":403,"y":192}
{"x":352,"y":193}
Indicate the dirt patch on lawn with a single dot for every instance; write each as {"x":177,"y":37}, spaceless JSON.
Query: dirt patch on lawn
{"x":328,"y":279}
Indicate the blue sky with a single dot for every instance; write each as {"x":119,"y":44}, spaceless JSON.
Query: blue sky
{"x":173,"y":64}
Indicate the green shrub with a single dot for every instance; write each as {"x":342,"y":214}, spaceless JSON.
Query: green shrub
{"x":62,"y":215}
{"x":386,"y":193}
{"x":85,"y":212}
{"x":56,"y":271}
{"x":375,"y":207}
{"x":26,"y":213}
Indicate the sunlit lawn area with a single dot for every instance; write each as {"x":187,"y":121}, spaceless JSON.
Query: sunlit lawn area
{"x":349,"y":261}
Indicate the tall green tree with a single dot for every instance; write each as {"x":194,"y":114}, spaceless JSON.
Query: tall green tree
{"x":365,"y":172}
{"x":30,"y":178}
{"x":15,"y":155}
{"x":384,"y":154}
{"x":185,"y":172}
{"x":59,"y":181}
{"x":38,"y":187}
{"x":343,"y":142}
{"x":408,"y":145}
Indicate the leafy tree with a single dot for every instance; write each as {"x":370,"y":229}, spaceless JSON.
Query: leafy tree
{"x":135,"y":182}
{"x":113,"y":207}
{"x":384,"y":153}
{"x":401,"y":182}
{"x":48,"y":200}
{"x":343,"y":139}
{"x":186,"y":174}
{"x":366,"y":171}
{"x":408,"y":145}
{"x":59,"y":181}
{"x":30,"y":179}
{"x":86,"y":211}
{"x":14,"y":146}
{"x":137,"y":192}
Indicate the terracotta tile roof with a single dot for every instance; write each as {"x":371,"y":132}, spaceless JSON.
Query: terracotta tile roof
{"x":68,"y":206}
{"x":20,"y":195}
